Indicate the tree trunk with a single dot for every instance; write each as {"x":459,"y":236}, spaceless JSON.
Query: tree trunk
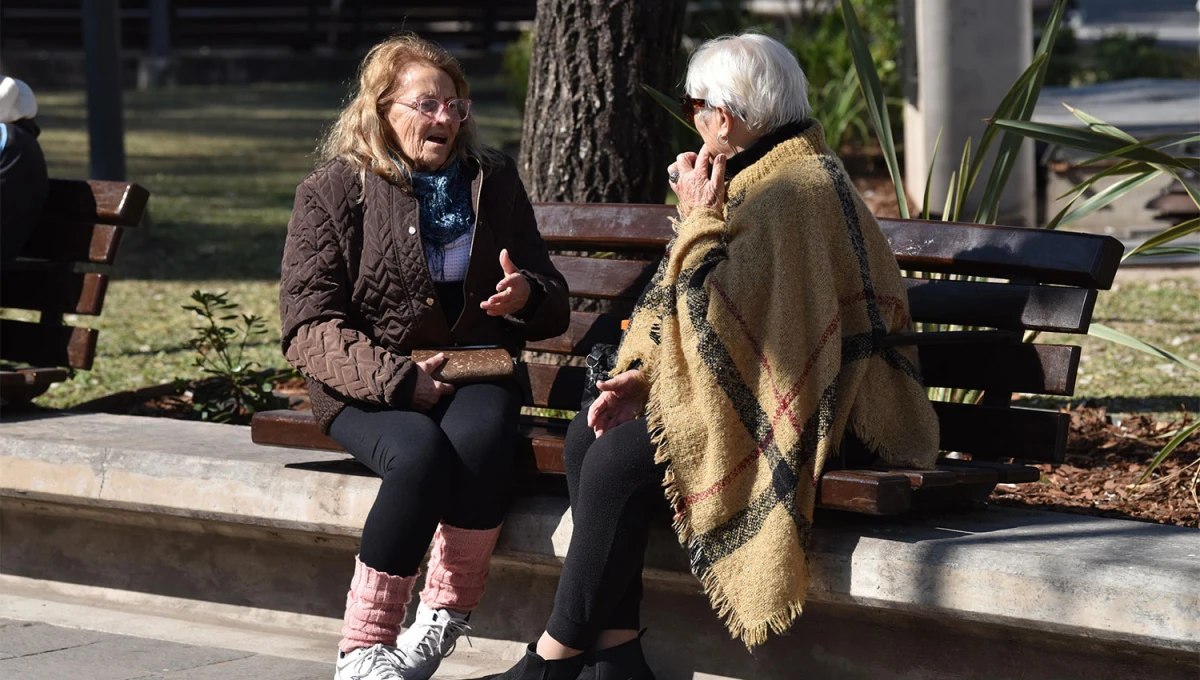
{"x":591,"y":134}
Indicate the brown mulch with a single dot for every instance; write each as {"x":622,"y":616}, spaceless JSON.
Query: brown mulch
{"x":870,"y":176}
{"x":1103,"y":464}
{"x":880,"y":195}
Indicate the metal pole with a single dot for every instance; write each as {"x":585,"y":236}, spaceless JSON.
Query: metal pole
{"x":160,"y":28}
{"x":155,"y":68}
{"x":102,"y":59}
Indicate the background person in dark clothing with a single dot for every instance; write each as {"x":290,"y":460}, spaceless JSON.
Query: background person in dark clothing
{"x":23,"y":181}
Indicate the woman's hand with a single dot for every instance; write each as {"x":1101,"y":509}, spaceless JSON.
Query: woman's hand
{"x":700,"y":181}
{"x":621,"y":400}
{"x":512,"y":291}
{"x":429,"y":391}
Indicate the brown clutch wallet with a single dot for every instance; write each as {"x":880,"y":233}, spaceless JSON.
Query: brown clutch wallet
{"x":465,"y":365}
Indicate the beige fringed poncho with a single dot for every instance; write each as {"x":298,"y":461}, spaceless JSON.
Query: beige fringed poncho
{"x":758,"y":336}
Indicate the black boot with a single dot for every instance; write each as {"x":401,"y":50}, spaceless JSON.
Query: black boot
{"x":534,"y":667}
{"x":623,"y":662}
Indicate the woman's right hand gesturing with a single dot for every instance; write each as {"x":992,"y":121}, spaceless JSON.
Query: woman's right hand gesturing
{"x":621,"y":400}
{"x":429,"y":391}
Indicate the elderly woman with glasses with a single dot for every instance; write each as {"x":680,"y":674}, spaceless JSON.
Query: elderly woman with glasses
{"x":758,"y":353}
{"x":413,"y":235}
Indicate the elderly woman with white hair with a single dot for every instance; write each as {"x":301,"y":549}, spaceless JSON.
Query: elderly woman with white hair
{"x":756,"y":356}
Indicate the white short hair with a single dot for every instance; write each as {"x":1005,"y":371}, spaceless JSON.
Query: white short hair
{"x":753,"y":76}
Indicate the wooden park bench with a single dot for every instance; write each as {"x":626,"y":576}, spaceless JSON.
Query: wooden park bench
{"x":61,"y":271}
{"x":1038,"y":280}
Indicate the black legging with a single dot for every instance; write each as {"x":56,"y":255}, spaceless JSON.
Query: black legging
{"x":616,"y":489}
{"x":452,"y":464}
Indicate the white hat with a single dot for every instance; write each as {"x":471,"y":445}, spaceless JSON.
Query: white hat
{"x":16,"y":100}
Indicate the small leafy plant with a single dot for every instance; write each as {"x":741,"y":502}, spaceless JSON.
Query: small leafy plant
{"x":236,"y":389}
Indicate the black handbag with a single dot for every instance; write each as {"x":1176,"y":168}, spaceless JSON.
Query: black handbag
{"x":600,"y":363}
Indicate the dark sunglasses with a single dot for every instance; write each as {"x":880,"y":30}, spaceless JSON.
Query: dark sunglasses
{"x":689,"y":106}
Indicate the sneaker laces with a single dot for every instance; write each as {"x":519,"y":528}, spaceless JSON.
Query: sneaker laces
{"x":381,"y":662}
{"x":431,"y":642}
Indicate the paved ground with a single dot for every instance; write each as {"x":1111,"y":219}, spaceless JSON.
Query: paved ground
{"x":46,"y":635}
{"x":39,"y":651}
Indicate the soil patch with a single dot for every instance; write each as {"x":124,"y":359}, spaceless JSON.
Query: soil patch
{"x":1105,"y":458}
{"x":175,"y":401}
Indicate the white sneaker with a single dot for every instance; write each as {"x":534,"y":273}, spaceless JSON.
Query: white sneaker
{"x":430,"y":639}
{"x":378,"y":662}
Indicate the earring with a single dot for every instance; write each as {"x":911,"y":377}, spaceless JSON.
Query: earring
{"x":722,"y":139}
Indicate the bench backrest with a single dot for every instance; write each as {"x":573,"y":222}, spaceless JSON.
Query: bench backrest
{"x":1049,"y":283}
{"x":62,"y":271}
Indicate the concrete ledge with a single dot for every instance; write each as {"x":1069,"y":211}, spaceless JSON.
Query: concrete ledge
{"x":1104,"y":580}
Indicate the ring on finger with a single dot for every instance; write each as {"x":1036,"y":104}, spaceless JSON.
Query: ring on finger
{"x":673,"y":177}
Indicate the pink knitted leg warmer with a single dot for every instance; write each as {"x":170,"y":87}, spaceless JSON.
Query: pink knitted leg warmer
{"x":458,"y":567}
{"x":375,"y":607}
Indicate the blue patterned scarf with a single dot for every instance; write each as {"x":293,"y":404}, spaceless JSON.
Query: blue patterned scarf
{"x":446,"y":212}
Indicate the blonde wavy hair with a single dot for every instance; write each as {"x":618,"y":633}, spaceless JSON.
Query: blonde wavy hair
{"x":362,"y":134}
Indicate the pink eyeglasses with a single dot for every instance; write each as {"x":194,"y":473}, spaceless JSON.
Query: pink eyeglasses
{"x":456,"y":109}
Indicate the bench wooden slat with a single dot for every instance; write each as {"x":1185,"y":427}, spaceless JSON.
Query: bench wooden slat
{"x":881,"y":491}
{"x":57,"y":292}
{"x":24,"y":384}
{"x":290,"y":428}
{"x":551,"y":386}
{"x":865,"y":491}
{"x":604,"y":226}
{"x":539,"y":448}
{"x":297,"y":428}
{"x":922,"y":479}
{"x":33,"y":376}
{"x":1005,"y":367}
{"x":47,"y":345}
{"x":587,"y":328}
{"x":992,"y":305}
{"x":95,"y":202}
{"x":94,"y":243}
{"x":1027,"y":434}
{"x":1044,"y":256}
{"x":540,"y":444}
{"x":996,"y":305}
{"x":1006,"y":473}
{"x":593,"y":277}
{"x":1041,"y":255}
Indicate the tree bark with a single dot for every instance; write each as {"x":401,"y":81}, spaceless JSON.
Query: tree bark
{"x":591,"y":133}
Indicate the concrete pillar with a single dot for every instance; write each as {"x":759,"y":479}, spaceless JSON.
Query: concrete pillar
{"x":967,"y":55}
{"x":102,"y":58}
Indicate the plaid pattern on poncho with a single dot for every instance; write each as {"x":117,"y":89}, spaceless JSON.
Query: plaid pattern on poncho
{"x":759,"y":338}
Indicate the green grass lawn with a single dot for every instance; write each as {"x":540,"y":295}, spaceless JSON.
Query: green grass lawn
{"x":222,"y":164}
{"x":1163,"y":313}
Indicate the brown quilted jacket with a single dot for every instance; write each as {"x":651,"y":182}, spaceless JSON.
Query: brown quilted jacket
{"x":356,"y":297}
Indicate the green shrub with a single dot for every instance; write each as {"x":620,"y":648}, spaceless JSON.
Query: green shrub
{"x":819,"y":42}
{"x":515,"y":69}
{"x":1117,"y":56}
